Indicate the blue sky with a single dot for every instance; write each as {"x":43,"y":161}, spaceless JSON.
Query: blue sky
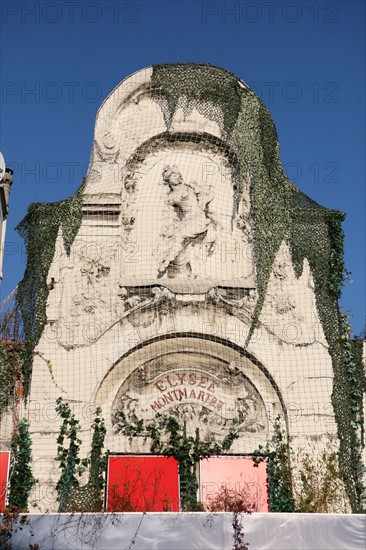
{"x":305,"y":59}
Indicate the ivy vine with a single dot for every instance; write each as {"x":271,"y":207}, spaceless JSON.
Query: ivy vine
{"x":351,"y":426}
{"x":72,"y":467}
{"x":21,"y":478}
{"x":214,"y":92}
{"x":278,"y":452}
{"x":71,"y":496}
{"x":98,"y":459}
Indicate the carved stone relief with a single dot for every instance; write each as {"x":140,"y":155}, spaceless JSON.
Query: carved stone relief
{"x":205,"y":391}
{"x":87,"y":304}
{"x":128,"y":205}
{"x":188,"y":237}
{"x":244,"y":223}
{"x":289,"y":309}
{"x":238,"y":302}
{"x":183,"y":216}
{"x":193,"y":227}
{"x":102,"y":307}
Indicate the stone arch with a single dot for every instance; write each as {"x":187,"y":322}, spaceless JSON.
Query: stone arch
{"x":200,"y":139}
{"x":208,"y":380}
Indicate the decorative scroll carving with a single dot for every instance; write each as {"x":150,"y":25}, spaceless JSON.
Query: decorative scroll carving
{"x":128,"y":203}
{"x":129,"y":406}
{"x":282,"y":304}
{"x":238,"y":302}
{"x":104,"y":303}
{"x":130,"y":183}
{"x":203,"y":143}
{"x":128,"y":222}
{"x":143,"y":305}
{"x":107,"y":150}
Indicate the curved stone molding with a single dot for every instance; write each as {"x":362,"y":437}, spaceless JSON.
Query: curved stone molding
{"x":207,"y":384}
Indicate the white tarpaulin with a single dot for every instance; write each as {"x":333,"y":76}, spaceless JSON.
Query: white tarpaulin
{"x":189,"y":531}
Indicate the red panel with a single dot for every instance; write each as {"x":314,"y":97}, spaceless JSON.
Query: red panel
{"x":142,"y":484}
{"x":234,"y":481}
{"x":4,"y":473}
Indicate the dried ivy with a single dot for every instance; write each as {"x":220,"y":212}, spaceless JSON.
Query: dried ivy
{"x":307,"y":481}
{"x":319,"y":488}
{"x":239,"y":542}
{"x":11,"y":361}
{"x":12,"y":520}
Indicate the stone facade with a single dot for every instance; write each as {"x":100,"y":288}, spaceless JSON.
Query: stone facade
{"x":150,"y":311}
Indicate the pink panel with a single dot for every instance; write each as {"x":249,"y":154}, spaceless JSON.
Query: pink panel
{"x":142,"y":484}
{"x":234,"y":483}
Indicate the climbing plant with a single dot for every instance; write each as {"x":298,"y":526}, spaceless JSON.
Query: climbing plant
{"x":239,"y":542}
{"x":68,"y":447}
{"x":232,"y":499}
{"x":307,"y":480}
{"x":348,"y":406}
{"x":97,"y":457}
{"x":278,"y":453}
{"x":211,"y":90}
{"x":13,"y":520}
{"x":169,"y":437}
{"x":356,"y":371}
{"x":21,"y":478}
{"x":72,"y":496}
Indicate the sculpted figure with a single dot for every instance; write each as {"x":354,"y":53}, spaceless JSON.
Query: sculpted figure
{"x":129,"y":407}
{"x":249,"y":414}
{"x":193,"y":226}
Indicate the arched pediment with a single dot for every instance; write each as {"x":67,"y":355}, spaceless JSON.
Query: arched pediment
{"x":207,"y":382}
